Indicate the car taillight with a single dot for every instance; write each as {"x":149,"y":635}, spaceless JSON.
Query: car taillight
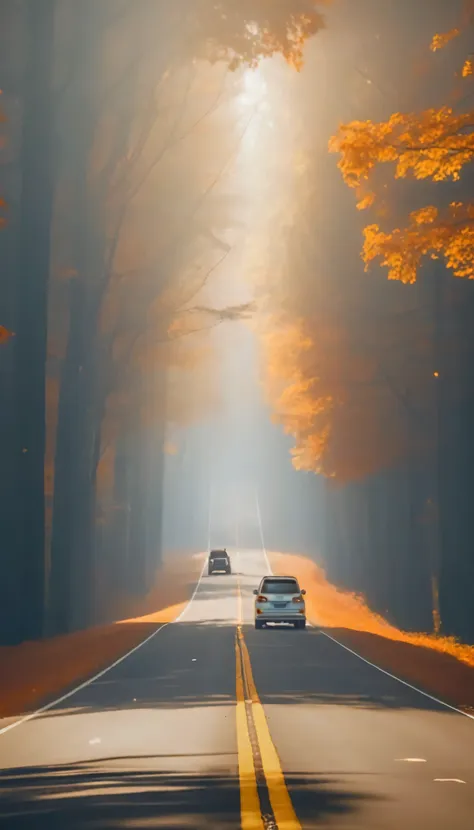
{"x":261,"y":598}
{"x":298,"y":599}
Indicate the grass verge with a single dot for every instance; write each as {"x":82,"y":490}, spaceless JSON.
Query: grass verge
{"x":440,"y":666}
{"x":35,"y":672}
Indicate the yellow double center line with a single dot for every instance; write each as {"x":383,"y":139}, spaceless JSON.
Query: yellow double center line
{"x":251,"y":721}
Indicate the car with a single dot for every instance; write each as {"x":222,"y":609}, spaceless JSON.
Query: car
{"x":279,"y":599}
{"x":219,"y":562}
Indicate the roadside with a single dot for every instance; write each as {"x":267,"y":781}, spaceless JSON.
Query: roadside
{"x":34,"y":672}
{"x":438,"y":665}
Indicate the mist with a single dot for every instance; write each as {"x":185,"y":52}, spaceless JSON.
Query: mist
{"x":236,"y":408}
{"x":193,"y":353}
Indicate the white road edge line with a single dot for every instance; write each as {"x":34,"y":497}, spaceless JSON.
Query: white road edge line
{"x":394,"y":677}
{"x":374,"y":665}
{"x":95,"y":677}
{"x":452,"y":780}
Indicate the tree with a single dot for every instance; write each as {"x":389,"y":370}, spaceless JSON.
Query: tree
{"x":31,"y":324}
{"x":244,"y":33}
{"x":131,"y":109}
{"x":352,"y":399}
{"x":5,"y":334}
{"x":435,"y":147}
{"x":352,"y":360}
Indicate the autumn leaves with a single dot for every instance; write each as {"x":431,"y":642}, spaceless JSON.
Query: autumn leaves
{"x":131,"y":230}
{"x":351,"y":372}
{"x":246,"y":32}
{"x":433,"y":145}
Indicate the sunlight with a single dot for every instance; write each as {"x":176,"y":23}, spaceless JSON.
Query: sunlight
{"x":253,"y":103}
{"x":254,"y":86}
{"x":333,"y":607}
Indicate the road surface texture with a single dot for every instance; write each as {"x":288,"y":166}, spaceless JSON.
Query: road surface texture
{"x":211,"y":724}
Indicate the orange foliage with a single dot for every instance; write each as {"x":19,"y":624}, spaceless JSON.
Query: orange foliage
{"x":430,"y":233}
{"x":5,"y":335}
{"x":357,"y":394}
{"x":333,"y":608}
{"x":248,"y":31}
{"x":351,"y":403}
{"x":36,"y":671}
{"x":135,"y":211}
{"x":438,"y":664}
{"x":442,"y":40}
{"x":435,"y":145}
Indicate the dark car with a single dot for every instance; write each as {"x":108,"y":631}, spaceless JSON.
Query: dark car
{"x":219,"y":562}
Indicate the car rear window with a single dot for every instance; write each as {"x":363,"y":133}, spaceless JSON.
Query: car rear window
{"x":280,"y":586}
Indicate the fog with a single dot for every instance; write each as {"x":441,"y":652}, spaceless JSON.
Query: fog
{"x":234,"y":305}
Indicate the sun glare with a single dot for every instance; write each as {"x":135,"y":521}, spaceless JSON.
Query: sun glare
{"x":254,"y":87}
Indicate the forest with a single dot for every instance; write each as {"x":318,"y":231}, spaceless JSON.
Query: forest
{"x":370,"y":352}
{"x":365,"y":311}
{"x":97,"y":284}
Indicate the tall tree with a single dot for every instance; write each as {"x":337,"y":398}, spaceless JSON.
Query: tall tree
{"x":433,"y":146}
{"x":31,"y":325}
{"x":122,"y":85}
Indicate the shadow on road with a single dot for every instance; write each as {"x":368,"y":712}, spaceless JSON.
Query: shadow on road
{"x":97,"y":796}
{"x":185,"y":665}
{"x":438,"y":673}
{"x":193,"y":665}
{"x":293,"y":667}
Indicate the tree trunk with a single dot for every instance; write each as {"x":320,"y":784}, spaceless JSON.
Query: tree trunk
{"x":65,"y":495}
{"x":456,"y":589}
{"x":121,"y":518}
{"x":83,"y":550}
{"x":138,"y":575}
{"x":80,"y":404}
{"x":155,"y":494}
{"x":31,"y":340}
{"x":154,"y":507}
{"x":77,"y":452}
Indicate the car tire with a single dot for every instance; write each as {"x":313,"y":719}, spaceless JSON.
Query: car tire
{"x":258,"y":624}
{"x":301,"y":624}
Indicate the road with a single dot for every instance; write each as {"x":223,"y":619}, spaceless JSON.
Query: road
{"x":166,"y":739}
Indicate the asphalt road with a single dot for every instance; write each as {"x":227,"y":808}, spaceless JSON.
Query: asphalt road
{"x":159,"y":742}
